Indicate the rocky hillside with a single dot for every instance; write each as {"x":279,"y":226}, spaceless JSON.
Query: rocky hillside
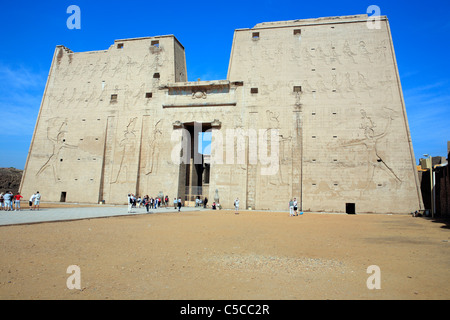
{"x":10,"y":179}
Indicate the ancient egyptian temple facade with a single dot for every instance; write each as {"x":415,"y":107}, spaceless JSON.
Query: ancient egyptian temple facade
{"x":311,"y":109}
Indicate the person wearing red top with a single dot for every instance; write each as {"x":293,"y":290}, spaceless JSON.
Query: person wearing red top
{"x":17,"y":198}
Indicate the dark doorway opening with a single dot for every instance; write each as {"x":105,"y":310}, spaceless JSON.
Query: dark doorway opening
{"x":63,"y":197}
{"x":195,"y":171}
{"x":350,"y":208}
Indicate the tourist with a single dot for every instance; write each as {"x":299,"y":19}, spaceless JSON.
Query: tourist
{"x":2,"y":201}
{"x":236,"y":206}
{"x":291,"y":208}
{"x":30,"y":202}
{"x":139,"y":201}
{"x":295,"y":206}
{"x":214,"y":205}
{"x":37,"y":200}
{"x":133,"y":201}
{"x":166,"y":201}
{"x":17,"y":198}
{"x":130,"y":202}
{"x":179,"y":204}
{"x":147,"y":202}
{"x":205,"y":202}
{"x":175,"y":203}
{"x":7,"y":197}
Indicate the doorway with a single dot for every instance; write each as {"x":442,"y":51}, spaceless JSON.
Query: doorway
{"x":194,"y":173}
{"x":350,"y":208}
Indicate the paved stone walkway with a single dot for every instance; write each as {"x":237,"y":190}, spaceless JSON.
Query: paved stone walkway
{"x":27,"y":216}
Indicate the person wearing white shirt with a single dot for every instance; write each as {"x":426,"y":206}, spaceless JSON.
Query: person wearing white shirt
{"x":236,"y":205}
{"x":130,"y":202}
{"x":30,"y":203}
{"x":37,"y":200}
{"x":7,"y":197}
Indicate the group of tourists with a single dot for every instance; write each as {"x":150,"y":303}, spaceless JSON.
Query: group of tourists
{"x":293,"y":208}
{"x":199,"y":202}
{"x":157,"y":202}
{"x":11,"y":202}
{"x":151,"y":203}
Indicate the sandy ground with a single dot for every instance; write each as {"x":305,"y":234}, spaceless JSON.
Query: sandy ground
{"x":220,"y":255}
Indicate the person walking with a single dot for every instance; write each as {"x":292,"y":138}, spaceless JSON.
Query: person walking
{"x":236,"y":206}
{"x":147,"y":203}
{"x":179,"y":204}
{"x":130,"y":202}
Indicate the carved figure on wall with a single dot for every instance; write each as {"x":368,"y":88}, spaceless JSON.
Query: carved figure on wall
{"x":364,"y":52}
{"x":118,"y":67}
{"x":274,"y":122}
{"x":154,"y":144}
{"x":386,"y":90}
{"x":348,"y":52}
{"x":127,"y":147}
{"x":321,"y":55}
{"x":144,"y":65}
{"x":308,"y":57}
{"x":56,"y":131}
{"x":370,"y":141}
{"x":363,"y":85}
{"x":381,"y":50}
{"x":104,"y":67}
{"x":334,"y":56}
{"x":348,"y":85}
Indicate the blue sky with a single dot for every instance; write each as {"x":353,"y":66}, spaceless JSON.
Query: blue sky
{"x":30,"y":30}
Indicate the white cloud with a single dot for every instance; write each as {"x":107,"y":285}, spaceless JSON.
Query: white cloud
{"x":20,"y":99}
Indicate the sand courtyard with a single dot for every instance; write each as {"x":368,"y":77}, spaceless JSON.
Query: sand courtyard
{"x":215,"y":255}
